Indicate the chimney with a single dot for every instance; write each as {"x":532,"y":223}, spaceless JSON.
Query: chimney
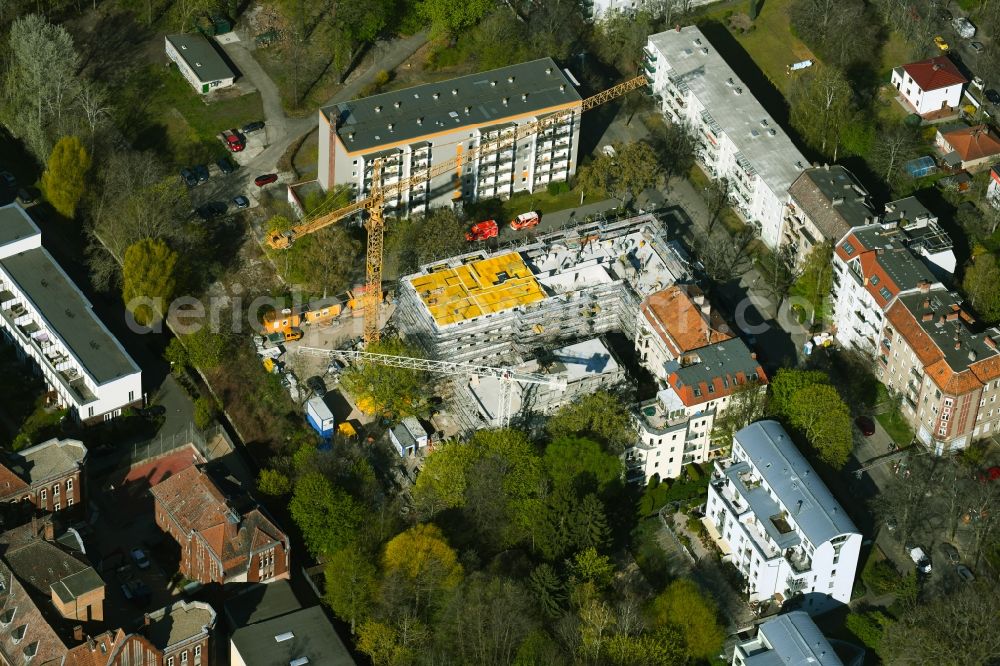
{"x":78,"y":633}
{"x":941,"y":319}
{"x":952,"y":316}
{"x":989,"y":342}
{"x":927,"y":316}
{"x":926,"y":304}
{"x":49,"y":531}
{"x":146,"y":620}
{"x":972,"y":355}
{"x":958,"y":344}
{"x":677,"y":27}
{"x":838,"y":200}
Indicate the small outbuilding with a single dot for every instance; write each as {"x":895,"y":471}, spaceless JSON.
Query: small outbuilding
{"x":199,"y":62}
{"x":408,"y":436}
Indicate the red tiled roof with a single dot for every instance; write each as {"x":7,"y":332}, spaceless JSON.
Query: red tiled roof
{"x":10,"y":484}
{"x":973,"y":143}
{"x":935,"y":73}
{"x":677,"y":319}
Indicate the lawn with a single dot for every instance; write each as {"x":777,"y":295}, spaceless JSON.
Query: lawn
{"x":896,"y":426}
{"x":771,"y":43}
{"x":166,"y":115}
{"x":730,"y":220}
{"x":895,"y":52}
{"x":544,"y":202}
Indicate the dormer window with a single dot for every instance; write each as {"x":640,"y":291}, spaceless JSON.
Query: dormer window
{"x":8,"y":616}
{"x":18,"y":634}
{"x":30,"y":651}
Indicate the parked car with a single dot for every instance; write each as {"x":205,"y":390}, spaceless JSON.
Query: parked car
{"x":8,"y":179}
{"x":609,"y":151}
{"x":225,"y":166}
{"x":964,"y":573}
{"x":941,"y":44}
{"x":977,"y":47}
{"x":189,"y":177}
{"x":26,"y":196}
{"x":525,"y":220}
{"x":920,"y":558}
{"x":139,"y":557}
{"x":201,"y":171}
{"x":211,"y":210}
{"x":993,"y":96}
{"x":255,"y":126}
{"x":266,"y":179}
{"x":482,"y":231}
{"x":241,"y":202}
{"x":951,"y":553}
{"x":235,"y":142}
{"x":317,"y":386}
{"x":866,"y":425}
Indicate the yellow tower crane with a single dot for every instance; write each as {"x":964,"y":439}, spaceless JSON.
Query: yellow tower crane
{"x":374,"y":202}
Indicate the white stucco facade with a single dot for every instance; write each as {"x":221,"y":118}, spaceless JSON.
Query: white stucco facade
{"x":925,"y":101}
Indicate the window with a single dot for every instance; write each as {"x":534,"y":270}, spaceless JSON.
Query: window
{"x":131,"y":396}
{"x":56,"y":489}
{"x":56,"y":507}
{"x":43,"y":494}
{"x":69,"y":502}
{"x":197,"y":655}
{"x":184,"y":655}
{"x":170,"y":661}
{"x":69,"y":485}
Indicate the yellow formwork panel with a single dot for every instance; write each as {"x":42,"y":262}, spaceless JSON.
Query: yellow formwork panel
{"x":480,"y":287}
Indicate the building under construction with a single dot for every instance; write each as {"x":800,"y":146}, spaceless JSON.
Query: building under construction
{"x":507,"y":307}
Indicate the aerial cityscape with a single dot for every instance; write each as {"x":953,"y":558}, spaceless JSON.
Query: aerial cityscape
{"x":528,"y":332}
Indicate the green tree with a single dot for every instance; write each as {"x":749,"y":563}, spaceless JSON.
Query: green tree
{"x":895,"y":143}
{"x":823,"y":416}
{"x":815,"y":279}
{"x":675,"y":144}
{"x":634,"y":168}
{"x":820,"y":102}
{"x":684,"y":606}
{"x":786,"y":383}
{"x":424,"y":562}
{"x":982,"y":277}
{"x":150,"y":280}
{"x":64,"y":179}
{"x":383,"y":644}
{"x":328,"y":517}
{"x":324,"y":262}
{"x":600,"y":416}
{"x":450,"y":17}
{"x":868,"y":627}
{"x":746,"y":405}
{"x":663,"y":647}
{"x":581,"y":463}
{"x":272,"y":482}
{"x":550,"y":592}
{"x":386,"y":389}
{"x":618,"y":39}
{"x":351,"y":580}
{"x":204,"y":412}
{"x":591,"y":566}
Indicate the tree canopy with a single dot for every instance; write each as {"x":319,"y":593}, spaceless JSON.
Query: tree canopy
{"x":150,"y":280}
{"x":601,"y":416}
{"x":982,"y":277}
{"x":686,"y":607}
{"x":580,"y":462}
{"x":449,"y":17}
{"x":632,"y":169}
{"x":386,"y":389}
{"x":64,"y":179}
{"x":328,"y":517}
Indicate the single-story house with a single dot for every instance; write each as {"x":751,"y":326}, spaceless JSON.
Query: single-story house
{"x":408,"y":436}
{"x":930,"y":85}
{"x":968,"y":147}
{"x":200,"y":63}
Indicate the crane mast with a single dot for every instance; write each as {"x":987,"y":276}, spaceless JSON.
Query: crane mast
{"x":374,"y":202}
{"x":507,"y":376}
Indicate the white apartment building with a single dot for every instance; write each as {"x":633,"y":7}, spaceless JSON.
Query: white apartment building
{"x":776,"y":521}
{"x":49,"y":320}
{"x":672,"y":321}
{"x":675,"y":428}
{"x":871,"y":267}
{"x":918,"y":229}
{"x":738,"y":140}
{"x":416,"y":129}
{"x":793,"y":639}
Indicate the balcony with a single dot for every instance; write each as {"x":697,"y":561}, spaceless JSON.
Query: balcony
{"x":917,"y":375}
{"x":801,"y":563}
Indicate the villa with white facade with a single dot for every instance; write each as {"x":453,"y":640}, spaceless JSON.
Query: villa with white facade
{"x":777,"y":522}
{"x":49,"y":320}
{"x":737,"y":139}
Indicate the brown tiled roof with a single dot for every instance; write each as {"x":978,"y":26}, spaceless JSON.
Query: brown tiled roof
{"x":935,"y":73}
{"x":11,"y":485}
{"x":679,"y":322}
{"x":96,"y":651}
{"x":196,"y":505}
{"x":832,"y":219}
{"x":973,"y":143}
{"x":26,"y":620}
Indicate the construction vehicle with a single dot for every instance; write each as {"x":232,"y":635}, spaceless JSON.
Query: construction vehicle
{"x":290,"y":334}
{"x":507,"y":376}
{"x":482,"y":231}
{"x":525,"y":221}
{"x":325,"y":215}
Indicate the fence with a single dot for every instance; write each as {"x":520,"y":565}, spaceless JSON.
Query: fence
{"x":211,"y":444}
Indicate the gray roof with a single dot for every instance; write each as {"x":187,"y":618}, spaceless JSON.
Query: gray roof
{"x":201,"y":56}
{"x":76,"y":585}
{"x":47,"y":460}
{"x":278,"y":642}
{"x":179,"y":622}
{"x":763,"y":506}
{"x":820,"y":517}
{"x":15,"y":224}
{"x":774,"y":157}
{"x":890,"y":245}
{"x":833,"y":199}
{"x":794,"y":639}
{"x":261,"y":602}
{"x":476,"y":99}
{"x":726,"y":358}
{"x":69,"y":314}
{"x":945,"y":334}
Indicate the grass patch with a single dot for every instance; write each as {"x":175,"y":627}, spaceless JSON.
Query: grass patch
{"x":544,"y":202}
{"x":770,"y":42}
{"x":731,"y":221}
{"x":895,"y":52}
{"x":169,"y":117}
{"x":896,"y":426}
{"x":649,"y":554}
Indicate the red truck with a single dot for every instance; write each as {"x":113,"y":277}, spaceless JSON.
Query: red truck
{"x":525,"y":221}
{"x":482,"y":230}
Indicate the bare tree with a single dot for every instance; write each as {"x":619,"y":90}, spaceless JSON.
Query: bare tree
{"x":725,"y":260}
{"x":895,"y":143}
{"x":92,"y":98}
{"x":717,"y":200}
{"x":779,"y":273}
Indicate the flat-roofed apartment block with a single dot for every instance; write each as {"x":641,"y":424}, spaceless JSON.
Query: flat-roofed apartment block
{"x":824,"y":203}
{"x":50,"y":321}
{"x":871,"y":267}
{"x":737,"y":139}
{"x":569,"y":285}
{"x":675,"y":428}
{"x":918,"y":229}
{"x":793,"y":638}
{"x":947,"y":374}
{"x":587,"y":366}
{"x":775,"y":520}
{"x":425,"y":126}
